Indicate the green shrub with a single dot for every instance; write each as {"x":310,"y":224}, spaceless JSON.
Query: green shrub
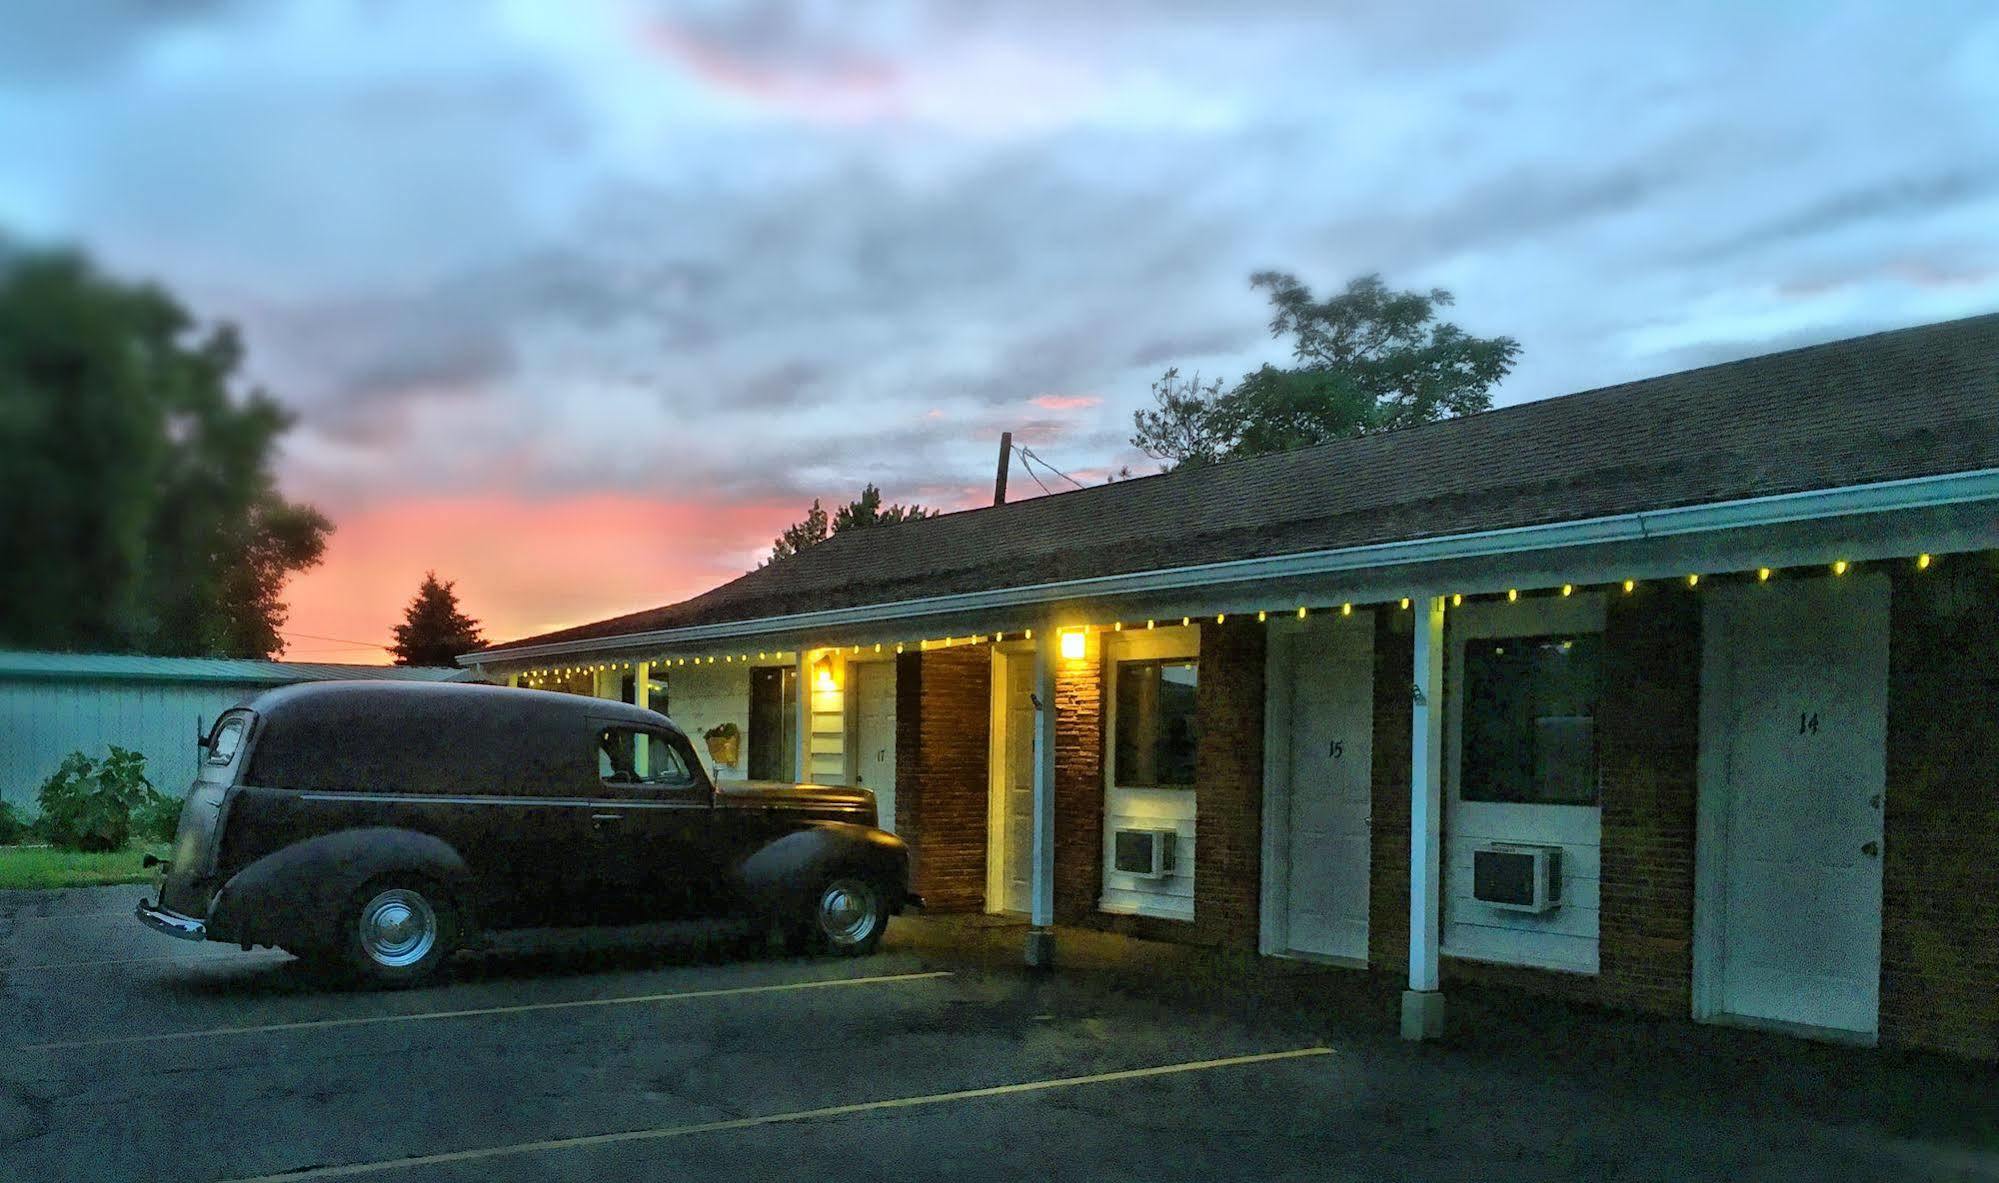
{"x":157,"y":818}
{"x":87,"y":805}
{"x":13,"y":827}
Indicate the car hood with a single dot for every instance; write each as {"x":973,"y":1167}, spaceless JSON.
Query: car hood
{"x":835,"y":802}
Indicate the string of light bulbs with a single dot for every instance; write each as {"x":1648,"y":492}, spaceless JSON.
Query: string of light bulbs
{"x":1694,"y":579}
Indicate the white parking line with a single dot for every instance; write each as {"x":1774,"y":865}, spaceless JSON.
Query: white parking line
{"x":351,"y":1170}
{"x":522,"y":1008}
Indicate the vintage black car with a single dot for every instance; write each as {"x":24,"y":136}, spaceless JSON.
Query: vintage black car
{"x":379,"y":826}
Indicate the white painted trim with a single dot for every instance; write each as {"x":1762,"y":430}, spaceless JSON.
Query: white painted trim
{"x":1426,"y":813}
{"x":1915,"y":493}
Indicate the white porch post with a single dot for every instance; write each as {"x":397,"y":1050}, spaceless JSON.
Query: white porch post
{"x":513,"y":679}
{"x":1423,"y":1003}
{"x":801,"y":752}
{"x":1041,"y":934}
{"x":642,"y":699}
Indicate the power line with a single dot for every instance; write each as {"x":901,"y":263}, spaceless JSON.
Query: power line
{"x":1029,"y":470}
{"x":336,"y":640}
{"x":1028,"y":453}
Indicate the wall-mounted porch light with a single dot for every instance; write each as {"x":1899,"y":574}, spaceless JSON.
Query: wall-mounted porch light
{"x":1073,"y":646}
{"x":822,"y":674}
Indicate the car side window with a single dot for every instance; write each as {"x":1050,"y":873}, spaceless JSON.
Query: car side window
{"x":628,"y":756}
{"x":227,"y":738}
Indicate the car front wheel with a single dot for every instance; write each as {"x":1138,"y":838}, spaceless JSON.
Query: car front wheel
{"x":398,"y":932}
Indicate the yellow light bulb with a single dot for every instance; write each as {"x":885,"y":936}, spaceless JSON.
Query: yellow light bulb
{"x":1029,"y":634}
{"x":1512,"y":594}
{"x":1568,"y":589}
{"x":1839,"y":567}
{"x":1405,"y":603}
{"x":1762,"y":574}
{"x":1185,"y":621}
{"x":1693,"y":581}
{"x":1118,"y":627}
{"x":1072,"y":646}
{"x":1346,"y":609}
{"x":1457,"y":600}
{"x":1301,"y":611}
{"x":1151,"y":624}
{"x":1630,"y":585}
{"x":1922,"y":562}
{"x":1219,"y":618}
{"x":1262,"y":616}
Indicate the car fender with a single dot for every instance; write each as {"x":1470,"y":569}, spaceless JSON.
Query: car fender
{"x":293,"y":895}
{"x":785,"y":873}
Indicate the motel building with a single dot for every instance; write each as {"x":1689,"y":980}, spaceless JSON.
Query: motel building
{"x":1678,"y":697}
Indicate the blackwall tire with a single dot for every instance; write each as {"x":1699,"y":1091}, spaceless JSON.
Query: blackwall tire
{"x":849,"y":915}
{"x":398,"y":931}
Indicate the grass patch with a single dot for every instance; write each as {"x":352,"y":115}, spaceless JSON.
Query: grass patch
{"x":44,"y":867}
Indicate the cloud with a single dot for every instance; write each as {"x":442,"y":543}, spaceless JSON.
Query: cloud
{"x":1065,"y":402}
{"x":517,"y":264}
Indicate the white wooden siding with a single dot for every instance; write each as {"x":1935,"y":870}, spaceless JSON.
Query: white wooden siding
{"x":702,"y":696}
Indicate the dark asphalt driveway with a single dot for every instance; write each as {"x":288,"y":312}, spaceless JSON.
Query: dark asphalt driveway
{"x":129,"y":1056}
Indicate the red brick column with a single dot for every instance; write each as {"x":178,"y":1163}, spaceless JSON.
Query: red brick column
{"x":943,"y":721}
{"x":1648,"y":752}
{"x":1079,"y":784}
{"x":1228,"y":826}
{"x":1940,"y":909}
{"x":1388,"y":864}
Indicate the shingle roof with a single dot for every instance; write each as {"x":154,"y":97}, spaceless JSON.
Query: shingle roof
{"x":1908,"y":403}
{"x":22,"y":664}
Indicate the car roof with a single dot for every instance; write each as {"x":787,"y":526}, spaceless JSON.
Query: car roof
{"x":441,"y":703}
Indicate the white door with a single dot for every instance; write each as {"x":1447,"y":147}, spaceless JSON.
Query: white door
{"x":1330,"y":789}
{"x":1017,"y":789}
{"x":1803,"y":752}
{"x":874,"y":735}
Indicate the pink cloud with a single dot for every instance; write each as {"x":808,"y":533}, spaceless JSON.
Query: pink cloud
{"x":1066,"y":402}
{"x":522,"y":566}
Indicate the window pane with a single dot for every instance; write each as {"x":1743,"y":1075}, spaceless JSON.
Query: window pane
{"x":1157,"y":729}
{"x":1530,"y":720}
{"x":639,"y":758}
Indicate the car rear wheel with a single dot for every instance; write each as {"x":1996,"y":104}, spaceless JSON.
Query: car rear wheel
{"x":849,"y":915}
{"x":398,"y":931}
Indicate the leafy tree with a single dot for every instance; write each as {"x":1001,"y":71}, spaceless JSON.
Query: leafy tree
{"x":864,"y":512}
{"x":434,"y":631}
{"x":1367,"y":360}
{"x":141,"y":514}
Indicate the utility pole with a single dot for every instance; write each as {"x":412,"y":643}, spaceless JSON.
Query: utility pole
{"x":999,"y":478}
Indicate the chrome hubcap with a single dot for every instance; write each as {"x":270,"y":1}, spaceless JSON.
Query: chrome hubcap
{"x":398,"y":928}
{"x":847,"y":911}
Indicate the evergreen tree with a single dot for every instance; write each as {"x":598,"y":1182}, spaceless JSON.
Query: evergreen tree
{"x":434,"y":631}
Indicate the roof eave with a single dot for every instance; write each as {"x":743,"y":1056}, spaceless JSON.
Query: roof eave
{"x":1845,"y":501}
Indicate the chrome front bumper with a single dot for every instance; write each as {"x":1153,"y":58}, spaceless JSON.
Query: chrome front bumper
{"x":187,"y":928}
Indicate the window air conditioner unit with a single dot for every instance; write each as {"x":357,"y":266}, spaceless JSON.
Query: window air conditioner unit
{"x":1517,"y":878}
{"x":1147,"y":854}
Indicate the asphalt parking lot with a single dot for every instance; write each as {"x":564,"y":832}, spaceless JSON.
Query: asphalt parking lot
{"x":129,"y":1056}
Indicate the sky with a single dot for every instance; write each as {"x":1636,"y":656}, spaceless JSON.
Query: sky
{"x":579,"y":304}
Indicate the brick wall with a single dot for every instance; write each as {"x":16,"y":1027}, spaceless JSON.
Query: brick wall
{"x":1388,"y":863}
{"x":1648,"y":751}
{"x":1228,"y":820}
{"x":1940,"y":894}
{"x":943,"y":721}
{"x":1079,"y":784}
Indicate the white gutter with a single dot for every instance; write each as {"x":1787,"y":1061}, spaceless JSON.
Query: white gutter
{"x":1913,"y":493}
